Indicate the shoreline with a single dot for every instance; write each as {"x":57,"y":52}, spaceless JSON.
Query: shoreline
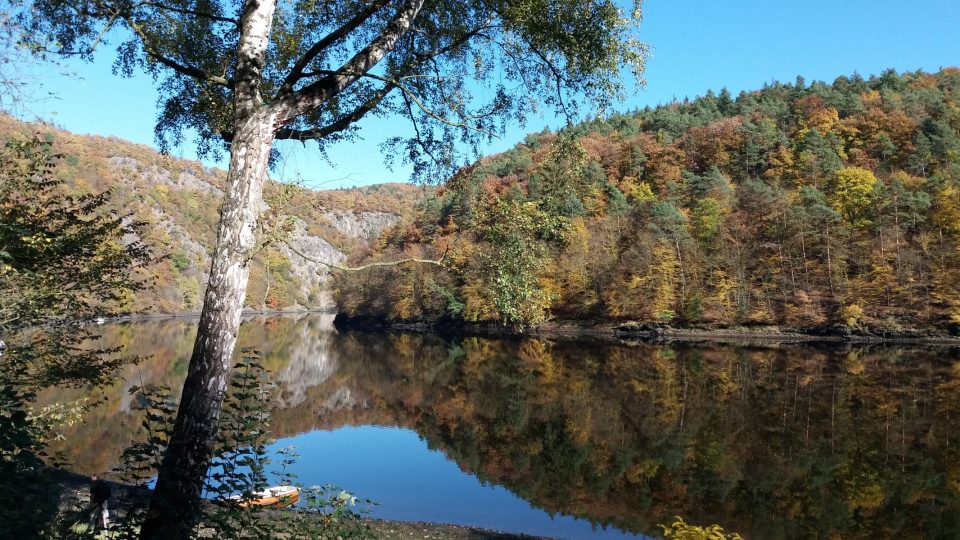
{"x":72,"y":490}
{"x":662,"y":333}
{"x":247,"y":313}
{"x":605,"y":330}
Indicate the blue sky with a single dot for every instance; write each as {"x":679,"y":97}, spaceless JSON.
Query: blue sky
{"x":697,"y":45}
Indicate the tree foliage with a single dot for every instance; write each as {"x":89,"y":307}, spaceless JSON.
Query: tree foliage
{"x":63,"y":260}
{"x":791,"y":205}
{"x":463,"y":73}
{"x":63,"y":257}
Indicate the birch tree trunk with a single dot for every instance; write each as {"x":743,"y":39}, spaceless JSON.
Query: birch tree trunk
{"x":175,"y":505}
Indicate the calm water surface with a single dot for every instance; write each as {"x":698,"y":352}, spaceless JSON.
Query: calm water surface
{"x":587,"y":440}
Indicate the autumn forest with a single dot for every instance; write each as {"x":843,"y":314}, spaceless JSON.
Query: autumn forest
{"x":478,"y":269}
{"x":803,"y":205}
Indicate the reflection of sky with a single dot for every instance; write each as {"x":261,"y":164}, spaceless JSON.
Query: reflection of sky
{"x":391,"y":466}
{"x":410,"y":482}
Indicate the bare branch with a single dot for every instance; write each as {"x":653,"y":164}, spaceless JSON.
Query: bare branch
{"x":416,"y":129}
{"x":436,"y":262}
{"x":103,"y":31}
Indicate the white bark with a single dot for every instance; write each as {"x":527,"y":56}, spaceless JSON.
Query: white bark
{"x":175,"y":504}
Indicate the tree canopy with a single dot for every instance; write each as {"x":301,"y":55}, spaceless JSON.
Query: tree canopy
{"x":461,"y":71}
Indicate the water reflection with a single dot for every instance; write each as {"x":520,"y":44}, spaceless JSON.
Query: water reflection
{"x":772,"y":442}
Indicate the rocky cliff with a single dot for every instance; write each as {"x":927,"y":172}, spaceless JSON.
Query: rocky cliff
{"x":179,"y":200}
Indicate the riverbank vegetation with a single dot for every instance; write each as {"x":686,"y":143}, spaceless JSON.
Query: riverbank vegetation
{"x":64,"y":259}
{"x":798,"y":204}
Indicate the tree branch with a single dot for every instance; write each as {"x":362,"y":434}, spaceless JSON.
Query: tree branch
{"x":339,"y":124}
{"x":557,"y":74}
{"x":390,"y":84}
{"x":189,"y":71}
{"x":436,"y":262}
{"x":296,"y":72}
{"x":195,"y":13}
{"x":416,"y":129}
{"x":421,"y":56}
{"x":394,"y":83}
{"x":296,"y":103}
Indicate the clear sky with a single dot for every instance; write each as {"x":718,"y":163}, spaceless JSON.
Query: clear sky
{"x":697,"y":45}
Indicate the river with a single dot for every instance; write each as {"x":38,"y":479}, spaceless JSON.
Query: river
{"x":585,"y":439}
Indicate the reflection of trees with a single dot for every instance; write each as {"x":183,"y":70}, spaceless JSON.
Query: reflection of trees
{"x":95,"y":445}
{"x":294,"y":347}
{"x":776,"y":443}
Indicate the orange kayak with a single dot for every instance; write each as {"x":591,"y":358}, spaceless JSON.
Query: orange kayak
{"x":276,"y":496}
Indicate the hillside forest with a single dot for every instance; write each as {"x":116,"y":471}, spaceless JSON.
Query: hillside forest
{"x":804,"y":205}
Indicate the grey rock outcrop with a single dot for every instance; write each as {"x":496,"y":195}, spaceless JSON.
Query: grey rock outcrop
{"x":157,"y":175}
{"x":311,"y":274}
{"x":360,"y":224}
